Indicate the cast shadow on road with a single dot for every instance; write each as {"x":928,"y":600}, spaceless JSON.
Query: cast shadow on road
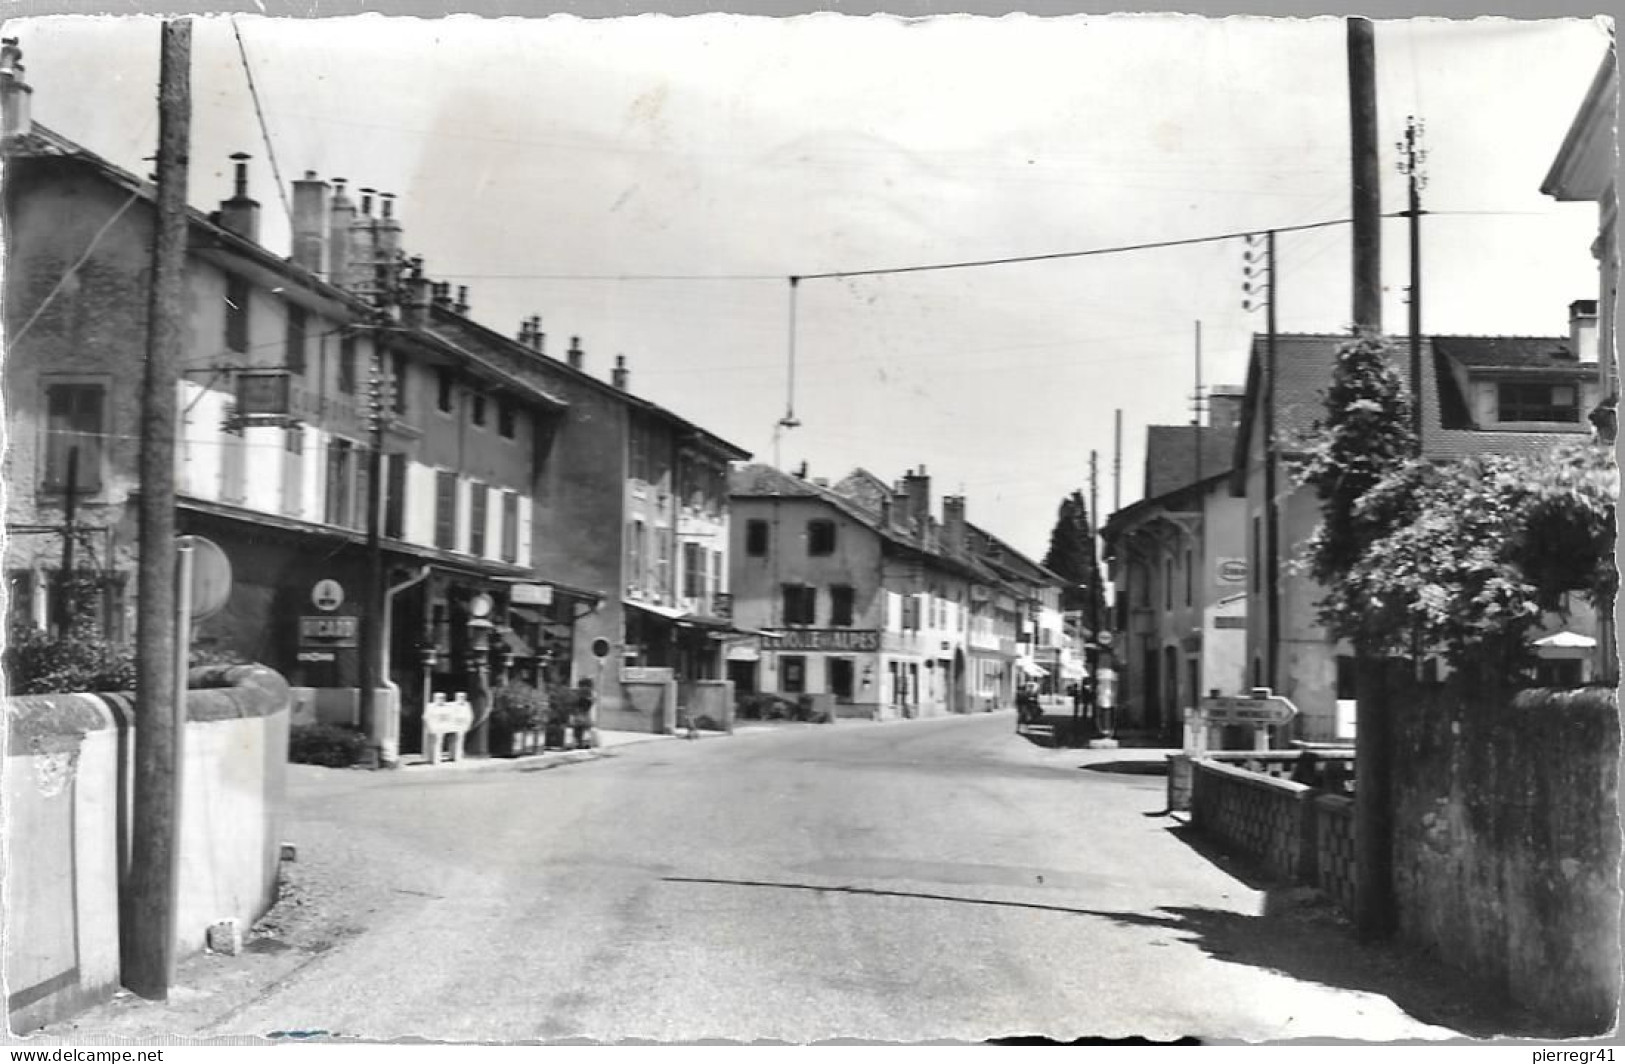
{"x":1303,"y":941}
{"x":1302,"y":934}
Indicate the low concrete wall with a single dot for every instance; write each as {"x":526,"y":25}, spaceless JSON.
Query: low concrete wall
{"x":648,"y":703}
{"x":1507,"y":841}
{"x":66,"y":792}
{"x":1257,"y":815}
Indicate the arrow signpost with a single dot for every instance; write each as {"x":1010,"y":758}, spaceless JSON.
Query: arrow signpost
{"x":1261,"y":708}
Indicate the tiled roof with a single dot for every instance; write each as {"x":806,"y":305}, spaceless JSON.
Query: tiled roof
{"x":1170,"y":456}
{"x":1304,"y":372}
{"x":1530,"y":352}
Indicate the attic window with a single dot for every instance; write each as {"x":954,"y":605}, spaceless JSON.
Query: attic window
{"x":1537,"y":401}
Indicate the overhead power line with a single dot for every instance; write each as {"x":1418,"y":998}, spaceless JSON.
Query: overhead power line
{"x":265,"y":132}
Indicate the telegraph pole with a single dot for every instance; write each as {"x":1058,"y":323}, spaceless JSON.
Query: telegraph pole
{"x":371,"y":648}
{"x":147,"y":926}
{"x":1094,"y":592}
{"x":1196,"y":405}
{"x":1367,"y":177}
{"x":1373,"y":813}
{"x":1117,"y":463}
{"x":1411,"y":166}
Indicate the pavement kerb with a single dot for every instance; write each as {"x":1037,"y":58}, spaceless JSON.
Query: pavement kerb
{"x":530,"y":762}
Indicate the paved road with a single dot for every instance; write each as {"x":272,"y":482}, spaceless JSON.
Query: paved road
{"x":905,"y":881}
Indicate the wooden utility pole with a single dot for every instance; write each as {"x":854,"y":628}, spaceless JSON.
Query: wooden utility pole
{"x":147,"y":924}
{"x":1272,"y":516}
{"x":1117,"y":463}
{"x":1196,"y":404}
{"x":1095,"y":590}
{"x":1367,"y":177}
{"x":1373,"y":814}
{"x":1411,"y":167}
{"x":372,"y":648}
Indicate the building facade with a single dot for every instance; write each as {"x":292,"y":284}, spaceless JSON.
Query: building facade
{"x":1480,"y":395}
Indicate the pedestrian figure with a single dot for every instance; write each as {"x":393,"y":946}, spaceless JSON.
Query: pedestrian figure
{"x":581,"y":712}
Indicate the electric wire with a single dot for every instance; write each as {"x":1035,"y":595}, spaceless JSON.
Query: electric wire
{"x":265,"y":132}
{"x":71,"y":270}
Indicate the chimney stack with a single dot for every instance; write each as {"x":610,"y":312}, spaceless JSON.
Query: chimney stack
{"x":538,"y":339}
{"x":341,"y":217}
{"x":576,"y":356}
{"x":310,"y":224}
{"x":953,"y":522}
{"x":461,"y":306}
{"x":389,"y":230}
{"x":363,"y":250}
{"x":440,"y":294}
{"x":1583,"y":331}
{"x":1224,"y":402}
{"x":618,"y":376}
{"x":16,"y":108}
{"x":524,"y":332}
{"x":240,"y":214}
{"x":917,"y":487}
{"x":416,"y":290}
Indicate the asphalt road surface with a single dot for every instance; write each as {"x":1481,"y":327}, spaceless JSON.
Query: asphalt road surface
{"x":905,"y":882}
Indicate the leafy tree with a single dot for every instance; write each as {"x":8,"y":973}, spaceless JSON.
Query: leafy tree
{"x":1364,"y":438}
{"x":1071,"y":554}
{"x":1488,"y":546}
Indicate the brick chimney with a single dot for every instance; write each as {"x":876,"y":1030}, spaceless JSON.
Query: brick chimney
{"x":1583,"y":331}
{"x":619,"y":375}
{"x":1224,"y":403}
{"x":538,"y":339}
{"x":340,"y":217}
{"x":240,"y":214}
{"x":461,"y":306}
{"x":917,"y":486}
{"x":16,"y":107}
{"x":310,"y":223}
{"x":953,"y":522}
{"x":440,"y":294}
{"x":417,"y":288}
{"x":576,"y":356}
{"x":389,"y":230}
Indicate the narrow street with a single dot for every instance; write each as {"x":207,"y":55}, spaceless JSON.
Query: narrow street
{"x":908,"y":881}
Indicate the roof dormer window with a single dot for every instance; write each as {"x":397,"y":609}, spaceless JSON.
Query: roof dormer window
{"x":1537,"y":401}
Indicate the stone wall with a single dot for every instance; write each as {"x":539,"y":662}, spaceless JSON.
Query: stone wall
{"x":1506,"y":841}
{"x":69,"y":760}
{"x":1256,"y":815}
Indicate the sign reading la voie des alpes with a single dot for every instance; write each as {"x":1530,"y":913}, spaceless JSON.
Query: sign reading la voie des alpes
{"x":857,"y":640}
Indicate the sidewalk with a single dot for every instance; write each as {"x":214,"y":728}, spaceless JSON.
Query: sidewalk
{"x":607,"y":741}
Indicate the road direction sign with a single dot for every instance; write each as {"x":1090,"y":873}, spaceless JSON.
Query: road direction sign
{"x":1260,"y":708}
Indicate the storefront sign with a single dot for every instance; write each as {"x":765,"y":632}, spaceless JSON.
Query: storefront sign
{"x":262,"y":392}
{"x":531,"y":594}
{"x":329,"y":631}
{"x":327,"y":595}
{"x":857,"y":640}
{"x":1231,"y":570}
{"x":317,"y":655}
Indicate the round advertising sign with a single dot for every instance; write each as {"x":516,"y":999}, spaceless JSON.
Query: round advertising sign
{"x":600,"y":648}
{"x":327,"y":595}
{"x":211,"y":577}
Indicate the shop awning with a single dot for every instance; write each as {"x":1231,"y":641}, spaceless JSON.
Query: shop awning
{"x":665,"y":613}
{"x":1568,"y":641}
{"x":1029,"y":667}
{"x":525,"y":613}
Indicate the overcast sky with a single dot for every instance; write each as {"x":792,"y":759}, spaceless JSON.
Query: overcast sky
{"x":541,"y":161}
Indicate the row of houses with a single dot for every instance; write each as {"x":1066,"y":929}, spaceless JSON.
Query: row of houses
{"x":1207,"y":599}
{"x":535,"y":520}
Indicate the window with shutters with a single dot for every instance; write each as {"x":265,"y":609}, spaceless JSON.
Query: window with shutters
{"x":756,"y":538}
{"x":347,"y":365}
{"x":75,"y":434}
{"x":800,"y":604}
{"x":443,"y":391}
{"x":820,"y":538}
{"x":506,"y":419}
{"x":510,"y":526}
{"x":840,"y":605}
{"x":693,"y":571}
{"x":293,"y":471}
{"x":394,"y":495}
{"x":340,"y":474}
{"x":477,"y":516}
{"x":445,"y":510}
{"x":297,"y":322}
{"x":236,"y":313}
